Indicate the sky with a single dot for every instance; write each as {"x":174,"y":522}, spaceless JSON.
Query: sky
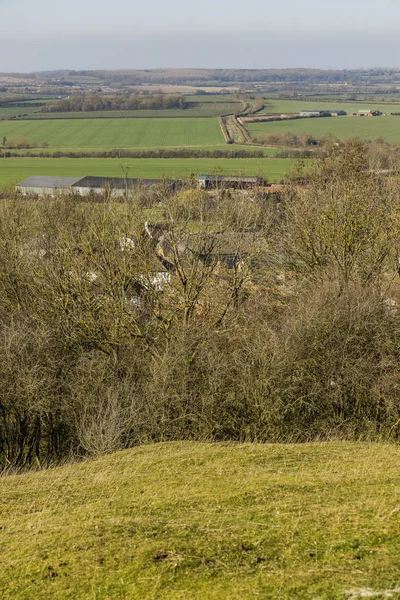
{"x":94,"y":34}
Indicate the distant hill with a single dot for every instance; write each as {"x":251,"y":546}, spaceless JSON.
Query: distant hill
{"x":218,"y":77}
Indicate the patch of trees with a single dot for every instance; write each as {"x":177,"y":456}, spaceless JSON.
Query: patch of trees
{"x":16,"y":142}
{"x":99,"y":102}
{"x":19,"y":142}
{"x":272,"y":322}
{"x":296,"y":153}
{"x":291,"y":140}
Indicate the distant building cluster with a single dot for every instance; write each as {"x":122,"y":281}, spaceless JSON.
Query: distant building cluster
{"x":323,"y":113}
{"x":118,"y":186}
{"x":209,"y":182}
{"x":367,"y":112}
{"x":44,"y":185}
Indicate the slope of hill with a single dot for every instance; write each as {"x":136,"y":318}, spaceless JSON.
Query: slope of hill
{"x":194,"y":521}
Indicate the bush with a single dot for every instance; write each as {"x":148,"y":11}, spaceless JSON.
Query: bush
{"x":275,"y":321}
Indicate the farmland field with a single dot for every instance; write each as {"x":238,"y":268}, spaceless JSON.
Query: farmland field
{"x":117,"y":133}
{"x":14,"y":170}
{"x":368,"y":128}
{"x":276,"y":105}
{"x":194,"y":109}
{"x":12,"y":111}
{"x":208,"y":98}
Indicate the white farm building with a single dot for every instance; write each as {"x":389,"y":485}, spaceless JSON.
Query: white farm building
{"x":44,"y":186}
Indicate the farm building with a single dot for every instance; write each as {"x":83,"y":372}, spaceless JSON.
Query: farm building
{"x":118,"y":185}
{"x":369,"y":113}
{"x":337,"y":113}
{"x":43,"y":185}
{"x":322,"y":113}
{"x":311,"y":113}
{"x":219,"y":248}
{"x":209,"y":182}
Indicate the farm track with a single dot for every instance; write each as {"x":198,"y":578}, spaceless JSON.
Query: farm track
{"x":235,"y":131}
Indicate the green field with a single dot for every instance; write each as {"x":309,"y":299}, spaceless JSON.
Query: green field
{"x":12,"y":111}
{"x":117,"y":133}
{"x":226,"y":148}
{"x":194,"y":109}
{"x":191,"y":521}
{"x":209,"y":98}
{"x":276,"y":105}
{"x":14,"y":170}
{"x":367,"y":128}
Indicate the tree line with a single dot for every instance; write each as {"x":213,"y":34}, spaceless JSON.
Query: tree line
{"x":126,"y":153}
{"x":98,"y":102}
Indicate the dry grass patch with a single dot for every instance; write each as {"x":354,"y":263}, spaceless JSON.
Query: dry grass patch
{"x":190,"y":520}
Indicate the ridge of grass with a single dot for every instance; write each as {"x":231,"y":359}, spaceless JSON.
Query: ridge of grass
{"x":216,"y":521}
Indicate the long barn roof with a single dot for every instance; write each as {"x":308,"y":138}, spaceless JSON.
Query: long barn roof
{"x":43,"y":182}
{"x":117,"y":183}
{"x":89,"y":182}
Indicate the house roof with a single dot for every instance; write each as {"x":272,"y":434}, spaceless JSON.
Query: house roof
{"x":117,"y":183}
{"x":227,"y":178}
{"x":213,"y":243}
{"x":42,"y":182}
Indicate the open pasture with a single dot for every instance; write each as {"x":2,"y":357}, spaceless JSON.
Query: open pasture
{"x":367,"y":128}
{"x":207,"y":521}
{"x":116,"y":133}
{"x":209,"y":98}
{"x":194,"y":109}
{"x":14,"y":170}
{"x":13,"y":111}
{"x":275,"y":105}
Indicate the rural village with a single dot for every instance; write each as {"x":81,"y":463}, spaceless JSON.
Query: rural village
{"x":200,"y":325}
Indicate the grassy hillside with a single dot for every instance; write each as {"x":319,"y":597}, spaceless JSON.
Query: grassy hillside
{"x":14,"y":170}
{"x":116,"y":133}
{"x":196,"y":521}
{"x":367,"y":128}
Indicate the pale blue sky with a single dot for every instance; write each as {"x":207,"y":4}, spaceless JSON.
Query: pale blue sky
{"x":44,"y":34}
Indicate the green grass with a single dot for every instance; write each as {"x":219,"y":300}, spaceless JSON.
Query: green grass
{"x":276,"y":105}
{"x":194,"y":109}
{"x":368,"y":128}
{"x":387,"y":127}
{"x":194,"y":521}
{"x":14,"y":170}
{"x":209,"y":98}
{"x":12,"y":111}
{"x":228,"y":148}
{"x":116,"y":133}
